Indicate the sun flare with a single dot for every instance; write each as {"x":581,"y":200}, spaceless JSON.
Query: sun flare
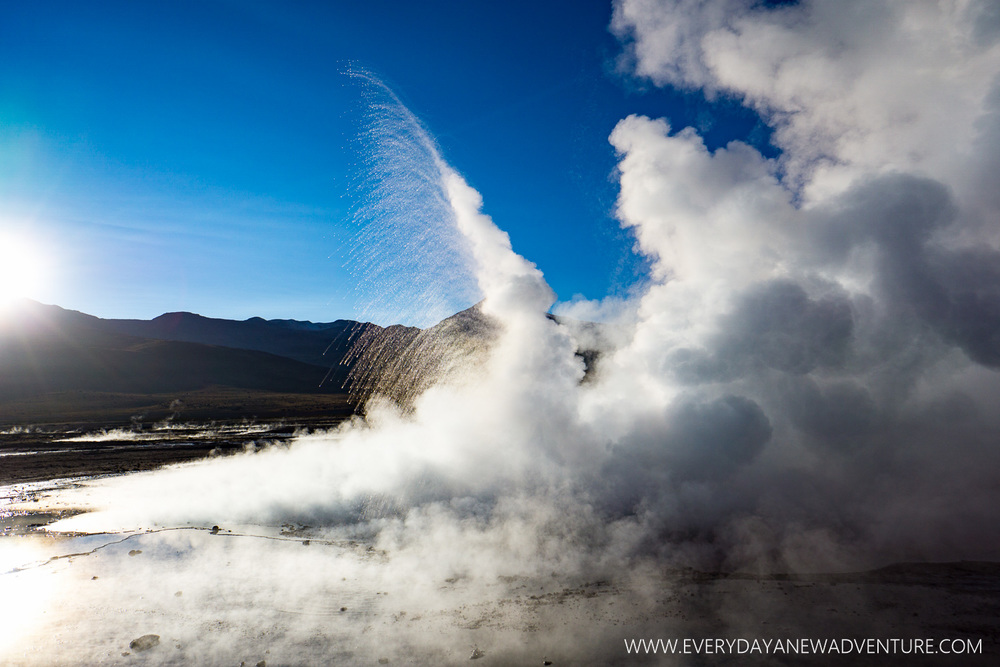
{"x":21,"y":268}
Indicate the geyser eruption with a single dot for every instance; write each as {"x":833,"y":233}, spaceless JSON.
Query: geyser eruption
{"x":807,"y":383}
{"x":475,"y":435}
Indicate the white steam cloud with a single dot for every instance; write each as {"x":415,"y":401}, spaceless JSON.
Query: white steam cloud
{"x":845,"y":296}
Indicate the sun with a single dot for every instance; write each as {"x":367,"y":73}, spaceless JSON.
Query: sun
{"x":22,"y":268}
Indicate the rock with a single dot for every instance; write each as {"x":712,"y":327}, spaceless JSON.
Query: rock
{"x":476,"y":654}
{"x":135,"y":552}
{"x":178,"y":594}
{"x":383,"y":661}
{"x":262,"y":663}
{"x":144,"y":643}
{"x":215,"y":530}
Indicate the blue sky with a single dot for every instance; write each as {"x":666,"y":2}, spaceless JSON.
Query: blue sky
{"x":202,"y":156}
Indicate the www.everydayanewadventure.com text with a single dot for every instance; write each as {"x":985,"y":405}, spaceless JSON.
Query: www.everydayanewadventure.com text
{"x":802,"y":646}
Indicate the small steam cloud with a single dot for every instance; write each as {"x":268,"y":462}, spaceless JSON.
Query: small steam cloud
{"x":808,"y":383}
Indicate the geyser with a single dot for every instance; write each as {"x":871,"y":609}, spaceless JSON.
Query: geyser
{"x":806,"y":383}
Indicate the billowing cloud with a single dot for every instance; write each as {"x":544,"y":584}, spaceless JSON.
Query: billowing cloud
{"x":848,"y":86}
{"x":849,"y":288}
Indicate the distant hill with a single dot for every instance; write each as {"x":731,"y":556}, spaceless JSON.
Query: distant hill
{"x":327,"y":344}
{"x":324,"y":351}
{"x":63,"y":355}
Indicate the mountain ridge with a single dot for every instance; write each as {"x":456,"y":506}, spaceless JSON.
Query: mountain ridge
{"x":52,"y":355}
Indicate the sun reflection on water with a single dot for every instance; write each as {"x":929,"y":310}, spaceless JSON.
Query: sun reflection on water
{"x":26,"y":591}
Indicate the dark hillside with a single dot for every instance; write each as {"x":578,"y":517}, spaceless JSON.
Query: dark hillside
{"x":50,"y":356}
{"x":320,"y":344}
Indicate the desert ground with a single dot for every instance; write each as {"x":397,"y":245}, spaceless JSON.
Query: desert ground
{"x":295,"y":594}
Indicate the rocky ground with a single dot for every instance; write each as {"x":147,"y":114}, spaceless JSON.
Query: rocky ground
{"x":295,"y":596}
{"x":53,"y":451}
{"x":301,"y":595}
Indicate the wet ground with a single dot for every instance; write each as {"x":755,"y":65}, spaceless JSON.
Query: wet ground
{"x":217,"y":596}
{"x":292,"y":594}
{"x":34,"y":454}
{"x":37,"y":461}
